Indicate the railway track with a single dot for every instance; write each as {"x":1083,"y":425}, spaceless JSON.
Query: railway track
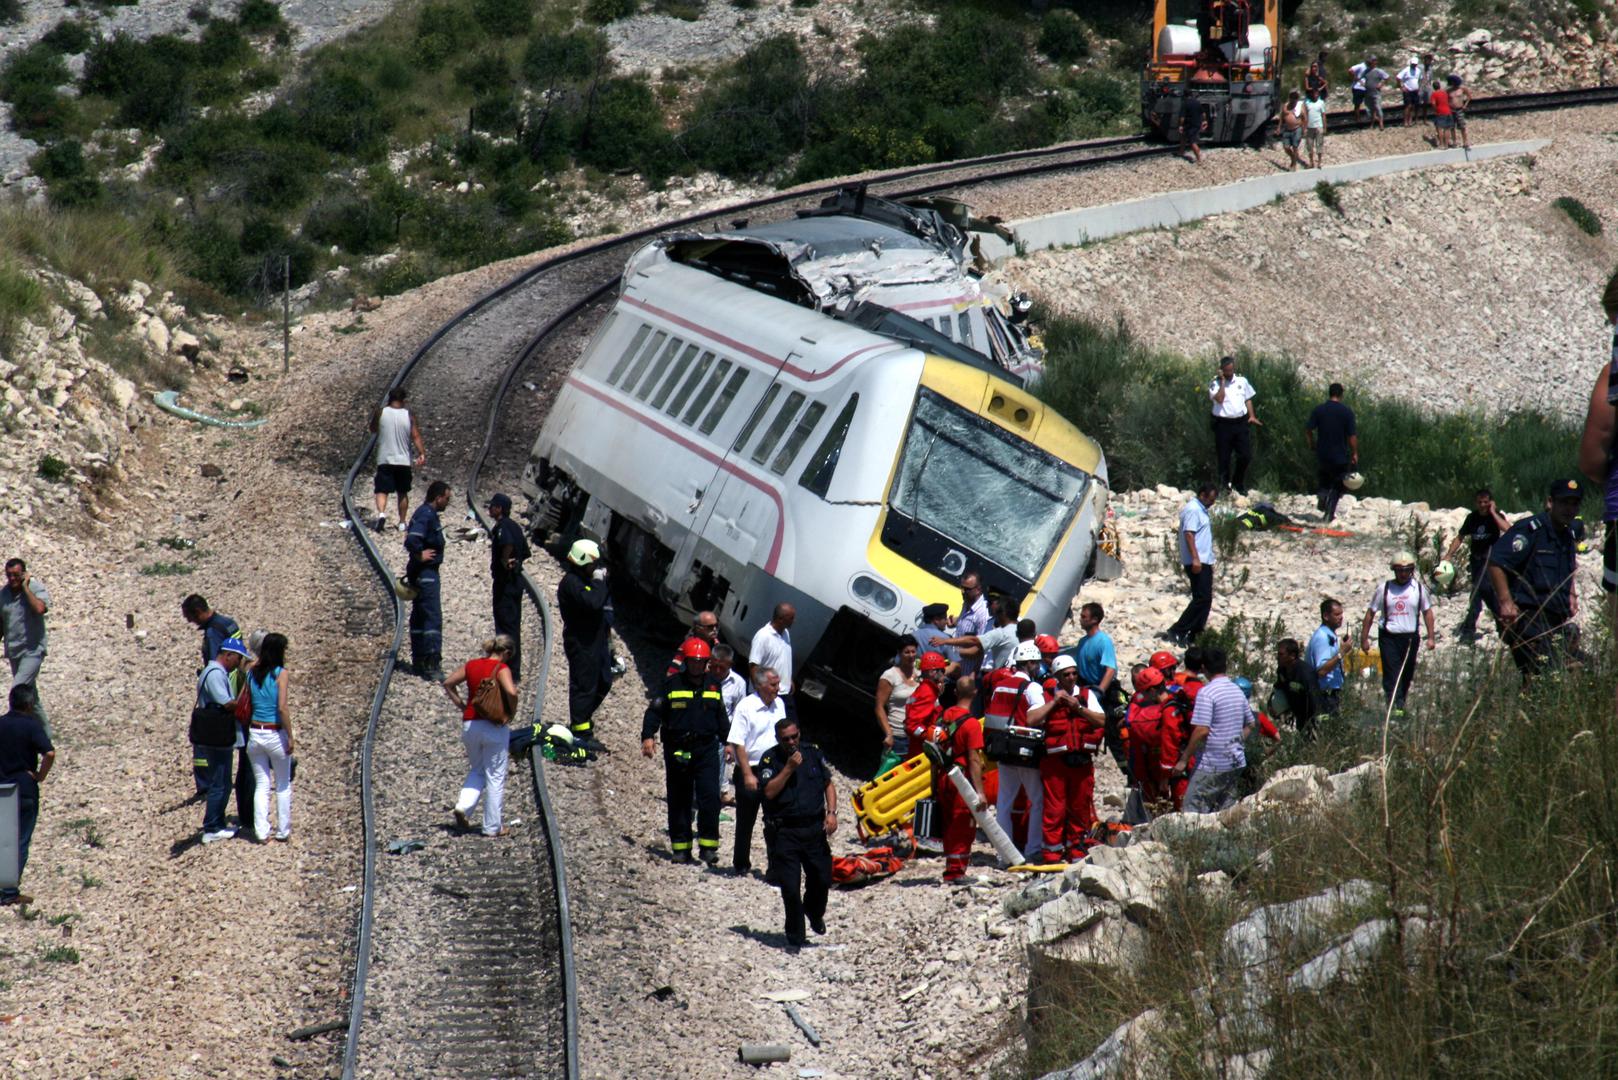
{"x":464,"y":958}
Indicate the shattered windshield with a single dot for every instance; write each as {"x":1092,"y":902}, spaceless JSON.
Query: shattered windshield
{"x":983,"y":489}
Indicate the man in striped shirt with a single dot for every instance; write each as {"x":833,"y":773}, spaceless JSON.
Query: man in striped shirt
{"x":1221,"y":720}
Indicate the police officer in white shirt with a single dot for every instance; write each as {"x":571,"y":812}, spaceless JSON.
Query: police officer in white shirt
{"x":1233,"y":417}
{"x":752,"y":732}
{"x":772,"y":647}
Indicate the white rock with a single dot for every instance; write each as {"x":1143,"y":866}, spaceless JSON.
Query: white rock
{"x":156,"y":333}
{"x":1252,"y":942}
{"x":1067,"y":914}
{"x":1345,"y":786}
{"x":1174,"y":828}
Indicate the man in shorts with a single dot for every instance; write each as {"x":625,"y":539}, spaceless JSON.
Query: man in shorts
{"x":1193,"y":120}
{"x":1459,"y":99}
{"x":1356,"y":76}
{"x":1410,"y":80}
{"x":1374,"y":79}
{"x":1314,"y":121}
{"x":395,"y":430}
{"x":1289,"y":127}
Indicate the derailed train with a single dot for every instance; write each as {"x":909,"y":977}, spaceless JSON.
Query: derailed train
{"x":750,"y":424}
{"x":1228,"y":57}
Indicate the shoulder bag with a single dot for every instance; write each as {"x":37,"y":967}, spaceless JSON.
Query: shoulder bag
{"x":489,"y":701}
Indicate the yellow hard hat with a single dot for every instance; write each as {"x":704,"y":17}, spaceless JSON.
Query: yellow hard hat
{"x":583,"y":552}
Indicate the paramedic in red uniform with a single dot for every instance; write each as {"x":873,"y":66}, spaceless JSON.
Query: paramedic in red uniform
{"x":924,"y":708}
{"x":1145,"y":737}
{"x":1074,"y":725}
{"x":964,"y":748}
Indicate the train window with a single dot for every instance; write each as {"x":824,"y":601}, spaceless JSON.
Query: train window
{"x":722,"y":403}
{"x":708,"y":392}
{"x":800,"y":434}
{"x":691,"y":384}
{"x":629,"y":354}
{"x":778,"y":426}
{"x":642,"y":360}
{"x":963,"y":329}
{"x":675,"y":375}
{"x":818,"y":473}
{"x":656,"y":373}
{"x":752,"y":421}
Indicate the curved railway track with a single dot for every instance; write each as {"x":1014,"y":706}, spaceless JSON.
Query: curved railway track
{"x":464,"y":958}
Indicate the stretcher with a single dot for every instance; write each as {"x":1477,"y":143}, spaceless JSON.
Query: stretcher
{"x":889,"y":801}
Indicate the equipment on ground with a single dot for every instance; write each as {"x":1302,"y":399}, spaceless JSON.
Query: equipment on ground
{"x":1353,"y":481}
{"x":1444,"y":574}
{"x":852,"y":871}
{"x":889,"y":801}
{"x":1224,"y":53}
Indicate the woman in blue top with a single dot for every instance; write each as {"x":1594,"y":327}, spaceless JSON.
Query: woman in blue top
{"x":269,"y":738}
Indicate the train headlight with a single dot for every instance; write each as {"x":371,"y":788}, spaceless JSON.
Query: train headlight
{"x":868,"y":590}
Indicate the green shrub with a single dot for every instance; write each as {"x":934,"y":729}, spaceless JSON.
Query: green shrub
{"x":67,"y":176}
{"x":260,"y":17}
{"x":53,"y":468}
{"x":602,"y":12}
{"x":223,"y":45}
{"x":60,"y":954}
{"x":152,"y":81}
{"x":1327,"y":194}
{"x":21,"y":296}
{"x":1062,"y":36}
{"x":69,"y":37}
{"x":1581,"y":215}
{"x":485,"y":75}
{"x":10,"y":11}
{"x":753,"y":116}
{"x":401,"y":275}
{"x":551,"y":59}
{"x":442,"y":30}
{"x":624,"y":129}
{"x":355,"y":224}
{"x":339,"y":113}
{"x":29,"y":82}
{"x":1153,"y":426}
{"x":504,"y":18}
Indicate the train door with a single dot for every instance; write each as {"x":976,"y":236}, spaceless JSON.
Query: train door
{"x":726,"y":516}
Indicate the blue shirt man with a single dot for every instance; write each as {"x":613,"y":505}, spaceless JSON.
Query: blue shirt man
{"x":424,"y":540}
{"x":1325,"y":655}
{"x":1195,"y":536}
{"x":26,"y":756}
{"x":932,"y":627}
{"x":1097,"y":659}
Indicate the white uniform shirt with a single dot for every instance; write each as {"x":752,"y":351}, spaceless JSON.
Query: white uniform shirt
{"x":1402,"y":605}
{"x":752,"y":725}
{"x":773,"y":649}
{"x":1237,"y":394}
{"x":1033,"y":692}
{"x":393,"y":437}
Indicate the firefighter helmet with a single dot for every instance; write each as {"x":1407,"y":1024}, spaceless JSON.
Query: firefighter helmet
{"x":695,"y":649}
{"x":1163,"y":660}
{"x":1063,"y":663}
{"x":1148,"y":678}
{"x":932,"y":661}
{"x":584,"y":552}
{"x":1047,"y":643}
{"x":1353,"y":481}
{"x":1444,"y":574}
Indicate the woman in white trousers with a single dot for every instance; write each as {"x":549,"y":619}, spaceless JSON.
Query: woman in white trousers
{"x":487,"y":738}
{"x":269,"y":738}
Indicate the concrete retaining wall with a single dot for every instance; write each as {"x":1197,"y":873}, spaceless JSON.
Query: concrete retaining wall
{"x":1069,"y":227}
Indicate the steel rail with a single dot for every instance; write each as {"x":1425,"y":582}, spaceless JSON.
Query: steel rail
{"x":1503,"y":103}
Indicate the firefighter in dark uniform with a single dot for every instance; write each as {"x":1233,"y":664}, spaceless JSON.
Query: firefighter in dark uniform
{"x":583,"y":600}
{"x":800,"y":812}
{"x":691,"y":715}
{"x":1532,"y":568}
{"x":508,"y":550}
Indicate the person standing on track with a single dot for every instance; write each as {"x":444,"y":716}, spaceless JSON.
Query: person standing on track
{"x":1460,"y":99}
{"x":800,"y":814}
{"x":772,"y":647}
{"x":487,"y":739}
{"x":216,"y":629}
{"x":424,"y":540}
{"x":269,"y":738}
{"x":508,"y":550}
{"x":395,"y":430}
{"x":214,"y":692}
{"x":690,"y":713}
{"x":1193,"y":122}
{"x":1233,"y":421}
{"x":1289,"y":129}
{"x":582,"y":599}
{"x":1314,"y":128}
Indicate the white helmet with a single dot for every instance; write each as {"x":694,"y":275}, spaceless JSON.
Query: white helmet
{"x":1354,"y":481}
{"x":1444,"y":574}
{"x":583,"y":552}
{"x":1025,"y":651}
{"x":1063,"y":663}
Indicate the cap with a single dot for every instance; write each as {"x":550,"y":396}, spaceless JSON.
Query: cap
{"x":1164,"y":661}
{"x":1403,"y":558}
{"x":934,"y":611}
{"x":502,"y":500}
{"x":1025,"y":651}
{"x":233,"y":645}
{"x":1567,"y":489}
{"x":695,"y":649}
{"x":1047,"y":643}
{"x":933,"y":661}
{"x":583,"y":552}
{"x":1149,"y":678}
{"x":1063,"y":663}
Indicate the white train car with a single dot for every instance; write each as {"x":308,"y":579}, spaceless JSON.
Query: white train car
{"x":733,"y":447}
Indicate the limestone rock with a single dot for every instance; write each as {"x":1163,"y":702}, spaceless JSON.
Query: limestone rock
{"x":1123,"y":1052}
{"x":1067,"y":914}
{"x":1178,"y":828}
{"x":1110,"y":943}
{"x":1346,"y":786}
{"x":186,"y":344}
{"x":156,"y":333}
{"x":1252,"y":942}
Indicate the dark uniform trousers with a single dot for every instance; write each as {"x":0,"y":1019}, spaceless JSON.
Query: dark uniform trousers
{"x":687,"y":773}
{"x":800,"y":866}
{"x":587,"y":685}
{"x":1482,"y":595}
{"x":1194,"y":619}
{"x":1539,"y":562}
{"x":1233,"y":449}
{"x":426,"y":619}
{"x":508,"y":618}
{"x":1330,"y":482}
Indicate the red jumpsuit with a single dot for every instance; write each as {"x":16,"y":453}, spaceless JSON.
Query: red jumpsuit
{"x":960,"y":827}
{"x":921,"y":713}
{"x":1174,"y":733}
{"x":1145,"y":725}
{"x":1069,"y":807}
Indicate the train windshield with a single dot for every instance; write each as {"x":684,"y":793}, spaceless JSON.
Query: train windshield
{"x":974,"y":486}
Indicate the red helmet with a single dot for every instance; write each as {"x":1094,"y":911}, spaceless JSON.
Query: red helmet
{"x":933,"y":661}
{"x":1164,"y":661}
{"x":1046,"y":643}
{"x":696,"y":649}
{"x":1149,"y":678}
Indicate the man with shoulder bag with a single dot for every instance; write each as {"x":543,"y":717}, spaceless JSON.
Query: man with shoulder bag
{"x":1017,"y":747}
{"x":213,"y":734}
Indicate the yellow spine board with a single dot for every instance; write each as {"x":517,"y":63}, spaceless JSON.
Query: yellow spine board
{"x":890,"y":800}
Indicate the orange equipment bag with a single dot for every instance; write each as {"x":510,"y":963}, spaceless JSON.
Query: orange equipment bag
{"x":852,"y":871}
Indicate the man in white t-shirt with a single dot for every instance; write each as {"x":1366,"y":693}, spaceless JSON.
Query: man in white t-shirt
{"x":1403,"y":604}
{"x":395,"y":430}
{"x":1357,"y":73}
{"x":772,"y":648}
{"x":752,"y":732}
{"x":1314,"y":128}
{"x":1233,"y":420}
{"x":1410,"y":78}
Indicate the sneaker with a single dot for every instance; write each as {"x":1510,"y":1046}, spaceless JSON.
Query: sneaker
{"x":403,"y":526}
{"x":217,"y":835}
{"x":379,"y":523}
{"x":282,"y":837}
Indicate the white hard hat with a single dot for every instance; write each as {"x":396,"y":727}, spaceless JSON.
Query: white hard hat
{"x":1403,"y":558}
{"x":1062,"y":663}
{"x":560,"y":733}
{"x":583,"y":552}
{"x":1444,"y":573}
{"x":1354,"y":481}
{"x":1026,"y":650}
